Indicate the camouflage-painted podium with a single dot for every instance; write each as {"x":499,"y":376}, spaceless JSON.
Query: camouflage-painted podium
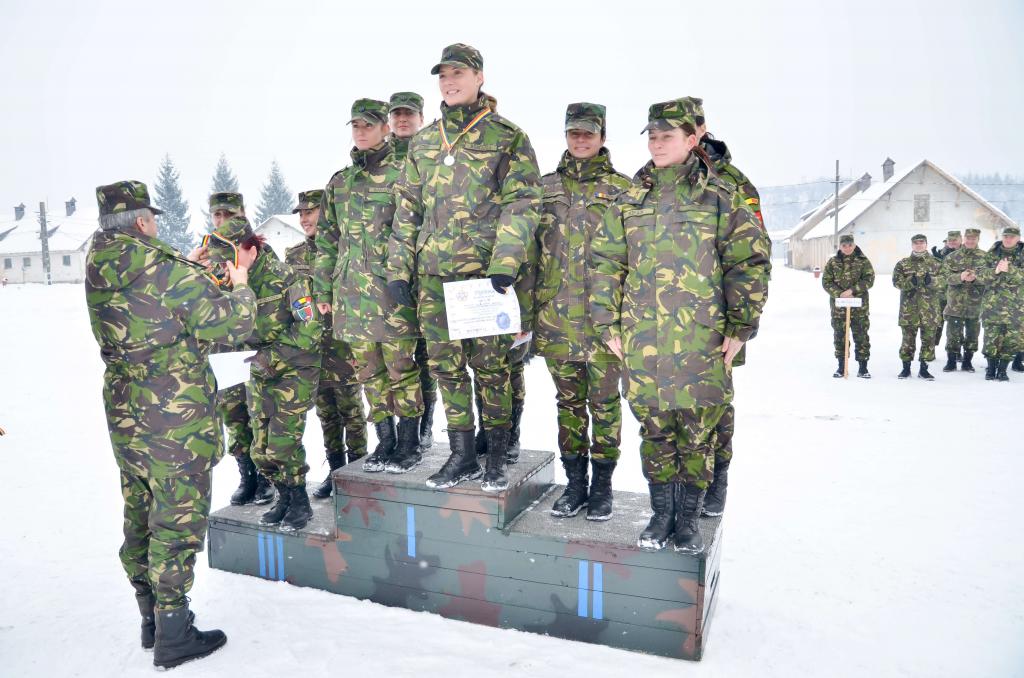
{"x":494,"y":559}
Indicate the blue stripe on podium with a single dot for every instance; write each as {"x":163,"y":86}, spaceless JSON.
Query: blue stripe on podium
{"x":280,"y":557}
{"x":598,"y":591}
{"x":410,"y":531}
{"x":581,"y":608}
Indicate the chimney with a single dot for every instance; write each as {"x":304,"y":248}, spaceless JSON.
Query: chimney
{"x":864,"y":183}
{"x":19,"y":212}
{"x":69,"y":207}
{"x":887,"y":169}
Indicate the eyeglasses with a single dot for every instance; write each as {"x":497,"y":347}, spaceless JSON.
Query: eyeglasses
{"x":220,"y":250}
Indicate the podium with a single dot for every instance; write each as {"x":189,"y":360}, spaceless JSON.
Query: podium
{"x":496,"y":559}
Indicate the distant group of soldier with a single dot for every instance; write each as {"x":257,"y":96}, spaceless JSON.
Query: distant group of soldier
{"x":960,"y":285}
{"x":649,"y":286}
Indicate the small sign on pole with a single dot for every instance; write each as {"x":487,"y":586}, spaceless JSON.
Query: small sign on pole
{"x":847,"y":303}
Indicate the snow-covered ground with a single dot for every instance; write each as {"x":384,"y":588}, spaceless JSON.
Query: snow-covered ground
{"x":873,"y":527}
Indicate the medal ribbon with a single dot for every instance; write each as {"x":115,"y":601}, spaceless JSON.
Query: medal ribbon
{"x":449,"y":145}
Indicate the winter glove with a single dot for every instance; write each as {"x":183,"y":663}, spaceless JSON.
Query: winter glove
{"x":913,"y":280}
{"x":927,"y":279}
{"x":400,"y":292}
{"x":500,"y":281}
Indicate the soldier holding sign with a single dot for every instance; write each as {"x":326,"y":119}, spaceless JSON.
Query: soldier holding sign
{"x":849,"y":274}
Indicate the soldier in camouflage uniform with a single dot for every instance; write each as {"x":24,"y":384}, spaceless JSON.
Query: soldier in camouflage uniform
{"x":1002,"y":310}
{"x":352,"y":241}
{"x":586,"y":374}
{"x":949,"y":245}
{"x":921,"y":285}
{"x":467,"y":208}
{"x":963,"y":301}
{"x":253,"y":487}
{"x":154,"y":315}
{"x":339,"y":397}
{"x":682,"y":268}
{"x":285,"y":370}
{"x":849,"y":274}
{"x":405,"y":115}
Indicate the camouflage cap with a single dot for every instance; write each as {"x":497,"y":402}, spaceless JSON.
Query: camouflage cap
{"x":1011,"y":230}
{"x":369,"y":110}
{"x":232,"y":202}
{"x":585,"y":116}
{"x":953,"y":234}
{"x":124,"y":196}
{"x":668,"y":115}
{"x":235,"y":229}
{"x":459,"y":56}
{"x":309,"y":200}
{"x":846,"y":240}
{"x":919,"y":237}
{"x":972,"y":231}
{"x":410,"y":100}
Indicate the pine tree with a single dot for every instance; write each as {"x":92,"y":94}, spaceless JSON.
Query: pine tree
{"x":224,"y":180}
{"x":275,"y":196}
{"x":172,"y":225}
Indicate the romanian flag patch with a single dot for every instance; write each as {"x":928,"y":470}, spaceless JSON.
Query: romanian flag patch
{"x":302,"y":309}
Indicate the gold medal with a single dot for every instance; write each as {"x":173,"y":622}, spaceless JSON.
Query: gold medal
{"x":449,"y":160}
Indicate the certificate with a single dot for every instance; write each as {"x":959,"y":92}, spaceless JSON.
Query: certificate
{"x":474,"y":309}
{"x":230,"y":368}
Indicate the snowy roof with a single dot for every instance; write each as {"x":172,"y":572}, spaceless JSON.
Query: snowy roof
{"x":826,"y":207}
{"x":291,"y":220}
{"x":67,"y":234}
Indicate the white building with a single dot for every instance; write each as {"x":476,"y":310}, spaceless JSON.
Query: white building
{"x":281,"y":231}
{"x":21,"y":251}
{"x":882,"y":216}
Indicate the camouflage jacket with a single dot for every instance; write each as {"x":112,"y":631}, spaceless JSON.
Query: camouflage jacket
{"x":943,"y":253}
{"x":1003,"y":303}
{"x":922,"y":287}
{"x":963,"y":299}
{"x":352,"y":245}
{"x":680,"y":263}
{"x":474,"y":218}
{"x":287,"y":334}
{"x":721,"y":160}
{"x":843,"y":273}
{"x":400,"y":149}
{"x":154,"y":316}
{"x":576,"y":196}
{"x":302,"y":259}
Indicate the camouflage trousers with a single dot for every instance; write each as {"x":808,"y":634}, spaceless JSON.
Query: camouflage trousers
{"x":428,"y":385}
{"x":1002,"y":341}
{"x":909,"y":344}
{"x":678,"y":446}
{"x":859,"y":325}
{"x":339,"y":402}
{"x":962,"y":333}
{"x":942,"y":315}
{"x":165,"y":523}
{"x":582,"y":386}
{"x":449,"y":360}
{"x":516,"y":379}
{"x":723,"y":434}
{"x":278,"y":404}
{"x":390,"y":377}
{"x":234,"y":410}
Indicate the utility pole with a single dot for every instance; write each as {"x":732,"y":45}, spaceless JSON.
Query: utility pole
{"x":835,"y":226}
{"x":44,"y":238}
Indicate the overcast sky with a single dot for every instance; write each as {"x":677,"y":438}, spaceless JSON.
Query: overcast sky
{"x":98,"y":91}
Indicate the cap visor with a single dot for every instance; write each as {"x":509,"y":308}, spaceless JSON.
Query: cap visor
{"x":454,"y":64}
{"x":585,"y":125}
{"x":155,"y":210}
{"x":404,"y":107}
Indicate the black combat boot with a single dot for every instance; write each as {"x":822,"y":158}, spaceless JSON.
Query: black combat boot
{"x":461,"y":465}
{"x":277,"y":511}
{"x":1001,"y":366}
{"x":264,"y":490}
{"x":659,"y":529}
{"x":481,"y":437}
{"x":1018,"y":363}
{"x":335,"y":460}
{"x":495,"y":478}
{"x":387,"y":440}
{"x":714,"y":501}
{"x":427,"y":425}
{"x":838,"y":374}
{"x":178,"y":641}
{"x":966,"y":365}
{"x":990,"y":370}
{"x":862,"y":370}
{"x":687,"y":538}
{"x":906,"y":370}
{"x":575,"y":495}
{"x":408,"y":454}
{"x":512,"y":456}
{"x":146,"y":603}
{"x":950,"y":365}
{"x":599,"y":506}
{"x":923,"y":372}
{"x":247,"y":485}
{"x":299,"y":511}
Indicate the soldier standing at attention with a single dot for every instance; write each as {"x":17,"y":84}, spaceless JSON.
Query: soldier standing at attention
{"x":1002,"y":311}
{"x":964,"y":294}
{"x":154,"y":315}
{"x":919,"y":280}
{"x":468,"y":204}
{"x":339,"y":397}
{"x":949,"y":245}
{"x":586,"y":374}
{"x":849,"y":274}
{"x":682,"y":269}
{"x":352,"y":244}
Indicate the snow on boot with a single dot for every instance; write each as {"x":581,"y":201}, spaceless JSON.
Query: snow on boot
{"x":386,"y":443}
{"x":277,"y":511}
{"x":246,"y":490}
{"x":966,"y":365}
{"x":495,"y":478}
{"x":1018,"y":363}
{"x":838,"y":374}
{"x":950,"y":365}
{"x":512,"y":455}
{"x":575,"y":495}
{"x":178,"y":641}
{"x":461,"y":465}
{"x":409,"y":452}
{"x":923,"y":372}
{"x":264,"y":490}
{"x":906,"y":370}
{"x":1001,"y":370}
{"x":659,"y":529}
{"x":714,"y":501}
{"x":599,"y":506}
{"x":335,"y":460}
{"x":687,"y":537}
{"x":427,"y":425}
{"x":299,"y":511}
{"x":862,"y":370}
